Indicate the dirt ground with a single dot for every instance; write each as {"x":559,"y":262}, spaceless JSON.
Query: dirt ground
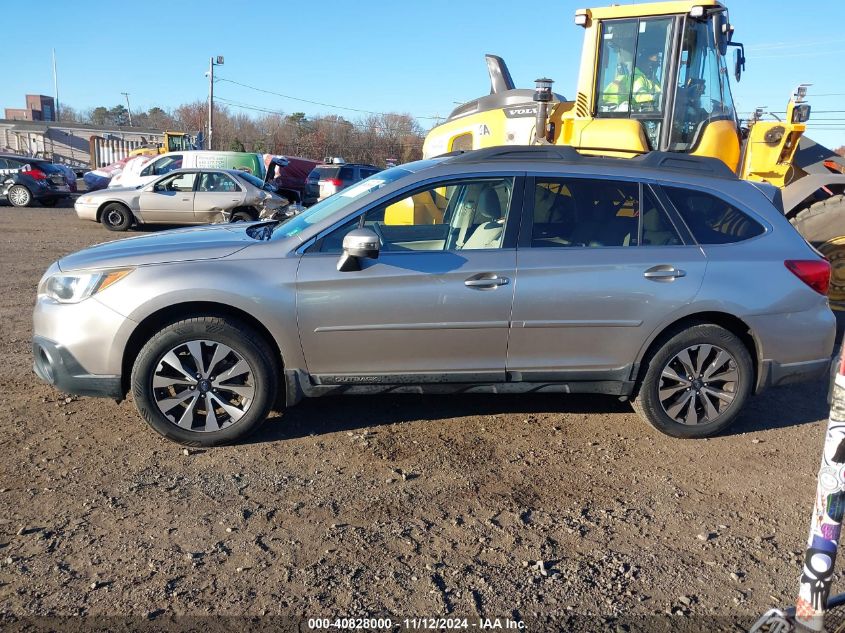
{"x":400,"y":507}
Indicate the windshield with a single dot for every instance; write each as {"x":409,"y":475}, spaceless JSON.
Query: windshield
{"x":337,"y":202}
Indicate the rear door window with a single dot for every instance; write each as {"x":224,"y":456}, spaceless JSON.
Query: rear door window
{"x":347,"y":173}
{"x":710,"y":219}
{"x":592,"y":213}
{"x":215,"y":182}
{"x":581,"y":212}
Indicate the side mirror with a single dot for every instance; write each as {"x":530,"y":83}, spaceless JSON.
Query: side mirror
{"x":801,"y":113}
{"x":358,"y":244}
{"x":739,"y":61}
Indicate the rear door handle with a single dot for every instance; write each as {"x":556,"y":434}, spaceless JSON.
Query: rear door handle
{"x":486,"y":281}
{"x":664,"y":272}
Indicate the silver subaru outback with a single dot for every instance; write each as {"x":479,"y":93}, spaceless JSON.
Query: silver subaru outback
{"x":662,"y":279}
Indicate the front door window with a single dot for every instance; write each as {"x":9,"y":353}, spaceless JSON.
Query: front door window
{"x":467,"y":215}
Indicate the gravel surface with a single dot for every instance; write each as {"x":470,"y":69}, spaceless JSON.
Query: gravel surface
{"x":564,"y":512}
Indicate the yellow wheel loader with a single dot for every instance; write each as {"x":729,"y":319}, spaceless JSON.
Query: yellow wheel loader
{"x":173,"y":142}
{"x":656,"y":77}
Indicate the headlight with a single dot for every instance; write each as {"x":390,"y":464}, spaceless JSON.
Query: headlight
{"x":74,"y":287}
{"x":86,"y":199}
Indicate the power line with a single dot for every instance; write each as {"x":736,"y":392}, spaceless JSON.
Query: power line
{"x":362,"y":126}
{"x":319,"y":103}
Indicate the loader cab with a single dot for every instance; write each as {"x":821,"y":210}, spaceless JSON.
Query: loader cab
{"x":667,"y":72}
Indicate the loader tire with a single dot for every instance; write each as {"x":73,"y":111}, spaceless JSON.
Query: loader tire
{"x":823,"y":225}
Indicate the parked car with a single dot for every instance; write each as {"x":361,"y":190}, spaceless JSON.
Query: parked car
{"x":141,"y":172}
{"x":505,"y":270}
{"x":25,"y":180}
{"x":184,"y":196}
{"x":327,"y":179}
{"x":70,"y":176}
{"x":289,"y":175}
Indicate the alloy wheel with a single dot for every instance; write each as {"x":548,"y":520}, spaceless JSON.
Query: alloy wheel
{"x":698,"y":384}
{"x":19,"y":196}
{"x":203,"y":386}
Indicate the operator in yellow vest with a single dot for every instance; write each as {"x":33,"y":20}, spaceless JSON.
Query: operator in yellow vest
{"x":646,"y":91}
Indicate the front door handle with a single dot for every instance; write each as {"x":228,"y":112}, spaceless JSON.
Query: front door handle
{"x":664,"y":272}
{"x":486,"y":281}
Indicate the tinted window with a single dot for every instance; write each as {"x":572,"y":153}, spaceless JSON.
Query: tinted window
{"x":327,"y":172}
{"x":468,"y":215}
{"x":657,"y":228}
{"x":163,"y":166}
{"x":710,"y":219}
{"x":346,"y":173}
{"x":366,"y":173}
{"x":215,"y":182}
{"x":581,"y":212}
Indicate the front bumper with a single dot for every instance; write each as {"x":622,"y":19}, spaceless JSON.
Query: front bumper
{"x":55,"y":365}
{"x":85,"y":211}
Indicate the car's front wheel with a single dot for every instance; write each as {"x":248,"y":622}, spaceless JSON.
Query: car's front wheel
{"x":241,"y":216}
{"x":205,"y":381}
{"x":116,"y":217}
{"x":696,"y":382}
{"x":19,"y":196}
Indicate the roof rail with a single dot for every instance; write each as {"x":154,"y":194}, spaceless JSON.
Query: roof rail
{"x":671,"y":161}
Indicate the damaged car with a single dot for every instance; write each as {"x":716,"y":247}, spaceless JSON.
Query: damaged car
{"x":185,"y":196}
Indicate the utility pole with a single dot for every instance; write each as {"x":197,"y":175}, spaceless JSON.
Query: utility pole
{"x":128,"y":109}
{"x":55,"y":87}
{"x":211,"y":64}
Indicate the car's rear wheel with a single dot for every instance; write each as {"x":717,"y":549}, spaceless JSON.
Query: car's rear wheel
{"x":19,"y":196}
{"x":696,"y":382}
{"x":116,"y":217}
{"x":205,"y":381}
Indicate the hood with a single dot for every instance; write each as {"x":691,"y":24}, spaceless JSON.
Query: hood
{"x":111,"y":190}
{"x":179,"y":245}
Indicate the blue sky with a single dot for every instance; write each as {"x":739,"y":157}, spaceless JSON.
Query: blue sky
{"x":415,"y":57}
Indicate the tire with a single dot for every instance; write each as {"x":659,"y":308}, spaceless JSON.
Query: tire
{"x":208,"y":411}
{"x":116,"y":217}
{"x":822,"y":221}
{"x":731,"y":378}
{"x":241,"y":216}
{"x":823,"y":225}
{"x":19,"y":196}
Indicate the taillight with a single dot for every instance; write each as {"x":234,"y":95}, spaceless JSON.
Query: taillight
{"x":37,"y":174}
{"x":337,"y":182}
{"x":813,"y":272}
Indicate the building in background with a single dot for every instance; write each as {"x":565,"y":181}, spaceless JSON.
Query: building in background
{"x":38,"y":108}
{"x":81,"y":146}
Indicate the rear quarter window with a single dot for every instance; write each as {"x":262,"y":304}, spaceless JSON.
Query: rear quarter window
{"x":710,"y":219}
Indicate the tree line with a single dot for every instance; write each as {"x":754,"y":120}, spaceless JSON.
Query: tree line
{"x":374,"y":138}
